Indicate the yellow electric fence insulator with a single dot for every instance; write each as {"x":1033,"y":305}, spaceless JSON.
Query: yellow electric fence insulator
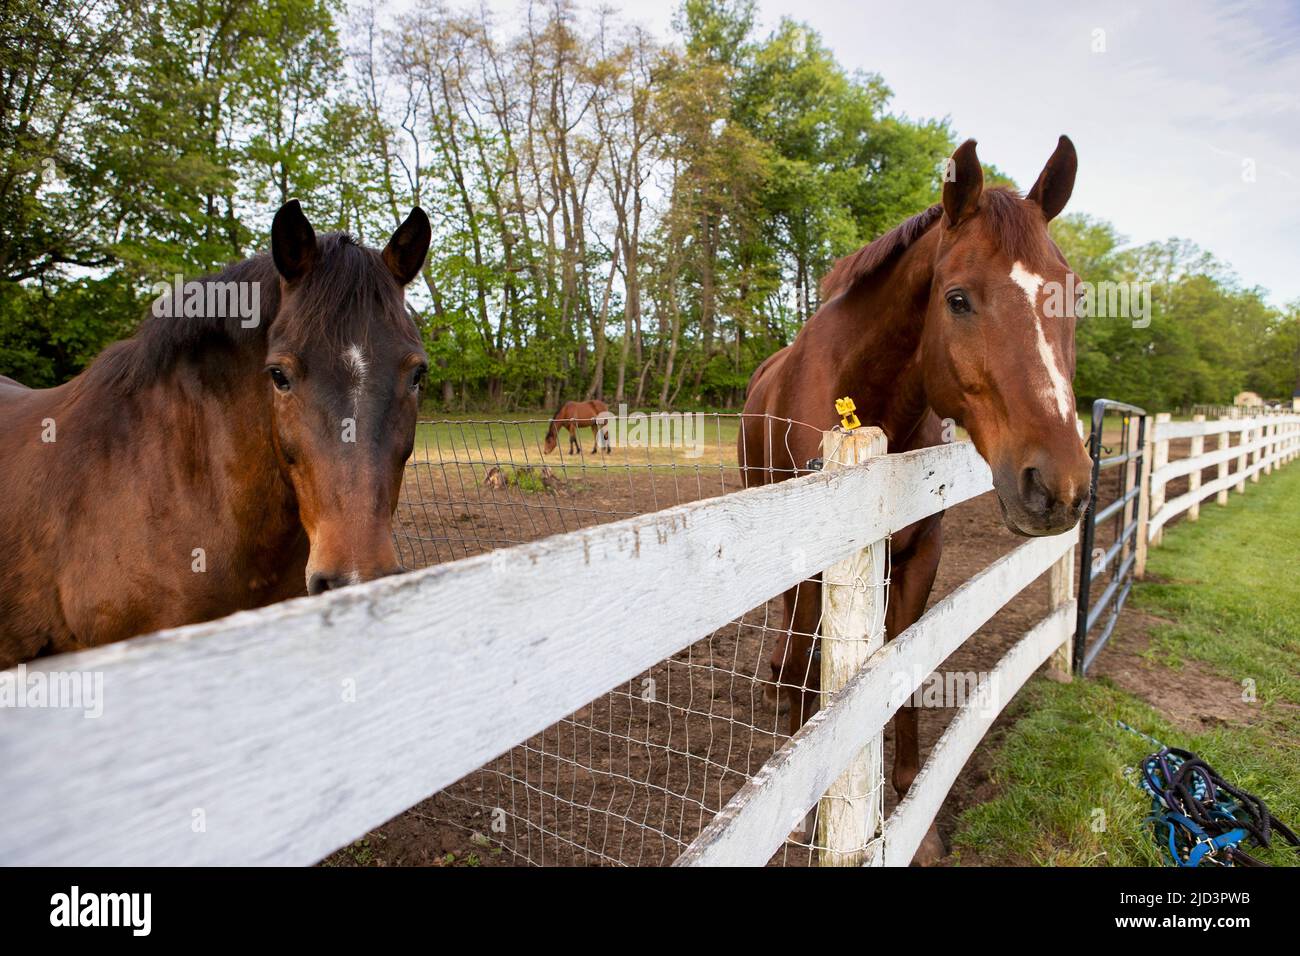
{"x":845,"y":408}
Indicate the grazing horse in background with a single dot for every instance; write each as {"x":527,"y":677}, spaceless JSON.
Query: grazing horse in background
{"x":943,"y":317}
{"x":213,"y":462}
{"x":576,"y":415}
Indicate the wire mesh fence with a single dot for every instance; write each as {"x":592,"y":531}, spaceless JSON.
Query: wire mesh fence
{"x":635,"y":775}
{"x":472,"y":486}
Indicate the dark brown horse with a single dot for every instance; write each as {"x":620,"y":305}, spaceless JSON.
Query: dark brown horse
{"x":943,"y":317}
{"x":576,"y":415}
{"x":215,"y":462}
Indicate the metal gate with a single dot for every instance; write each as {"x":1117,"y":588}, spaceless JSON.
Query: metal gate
{"x":1114,"y":564}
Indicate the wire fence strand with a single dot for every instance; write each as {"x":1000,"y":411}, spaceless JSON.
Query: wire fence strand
{"x":635,"y":775}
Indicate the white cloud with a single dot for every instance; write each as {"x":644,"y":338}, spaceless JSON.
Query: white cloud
{"x":1163,"y":119}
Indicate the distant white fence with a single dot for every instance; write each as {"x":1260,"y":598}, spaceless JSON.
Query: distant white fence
{"x":277,"y":736}
{"x":1243,"y":449}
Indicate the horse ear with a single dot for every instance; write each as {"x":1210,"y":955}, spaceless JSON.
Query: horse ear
{"x":963,"y":182}
{"x":1056,"y":181}
{"x":293,"y":242}
{"x":405,"y":252}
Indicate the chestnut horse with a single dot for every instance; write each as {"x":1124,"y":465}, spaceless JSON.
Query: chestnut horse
{"x":212,"y":462}
{"x":575,"y":415}
{"x":944,"y":317}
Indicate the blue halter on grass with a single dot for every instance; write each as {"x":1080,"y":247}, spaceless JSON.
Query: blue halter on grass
{"x":1203,"y":818}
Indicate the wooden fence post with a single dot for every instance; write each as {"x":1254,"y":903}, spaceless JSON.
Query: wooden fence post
{"x":1225,"y":439}
{"x":1194,"y":479}
{"x":854,"y":599}
{"x":1060,"y":590}
{"x":1159,"y":458}
{"x":1144,"y":502}
{"x":1256,"y":456}
{"x":1270,"y":436}
{"x":1241,"y":461}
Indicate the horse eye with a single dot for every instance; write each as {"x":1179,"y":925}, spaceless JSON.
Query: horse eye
{"x":417,"y":380}
{"x":958,"y":304}
{"x":278,"y":378}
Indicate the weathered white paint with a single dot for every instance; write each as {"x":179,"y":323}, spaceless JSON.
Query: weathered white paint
{"x":1060,"y":591}
{"x":299,"y":727}
{"x":853,"y":628}
{"x":755,"y":823}
{"x":1159,"y":458}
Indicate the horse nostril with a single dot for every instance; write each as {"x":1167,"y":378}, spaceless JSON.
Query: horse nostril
{"x":1033,"y":491}
{"x":320,"y":583}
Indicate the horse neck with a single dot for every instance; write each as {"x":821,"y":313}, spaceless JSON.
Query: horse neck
{"x":876,"y":328}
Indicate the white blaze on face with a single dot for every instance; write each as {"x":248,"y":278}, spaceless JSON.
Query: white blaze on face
{"x":1057,"y":388}
{"x":355,"y":360}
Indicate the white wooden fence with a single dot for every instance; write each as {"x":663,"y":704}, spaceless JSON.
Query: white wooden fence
{"x":1248,"y":446}
{"x":277,"y":736}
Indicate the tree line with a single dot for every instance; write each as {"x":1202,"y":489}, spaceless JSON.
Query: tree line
{"x":616,"y":214}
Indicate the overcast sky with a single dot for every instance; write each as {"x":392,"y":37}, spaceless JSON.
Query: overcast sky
{"x":1172,"y":106}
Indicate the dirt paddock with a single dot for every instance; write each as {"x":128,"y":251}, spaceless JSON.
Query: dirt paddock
{"x":634,"y":776}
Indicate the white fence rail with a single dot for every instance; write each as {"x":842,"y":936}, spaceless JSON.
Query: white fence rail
{"x":1261,"y":444}
{"x":277,"y":736}
{"x":758,"y":818}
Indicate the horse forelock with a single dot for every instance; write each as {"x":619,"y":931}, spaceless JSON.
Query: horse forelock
{"x":348,"y":299}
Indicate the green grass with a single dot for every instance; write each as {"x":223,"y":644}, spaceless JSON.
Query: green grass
{"x":1230,"y":582}
{"x":527,"y":479}
{"x":518,"y":439}
{"x":1227,"y":585}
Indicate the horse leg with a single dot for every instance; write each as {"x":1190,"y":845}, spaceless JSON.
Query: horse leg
{"x":794,"y":675}
{"x":796,"y":679}
{"x":910,"y":579}
{"x":574,"y":447}
{"x":595,"y":438}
